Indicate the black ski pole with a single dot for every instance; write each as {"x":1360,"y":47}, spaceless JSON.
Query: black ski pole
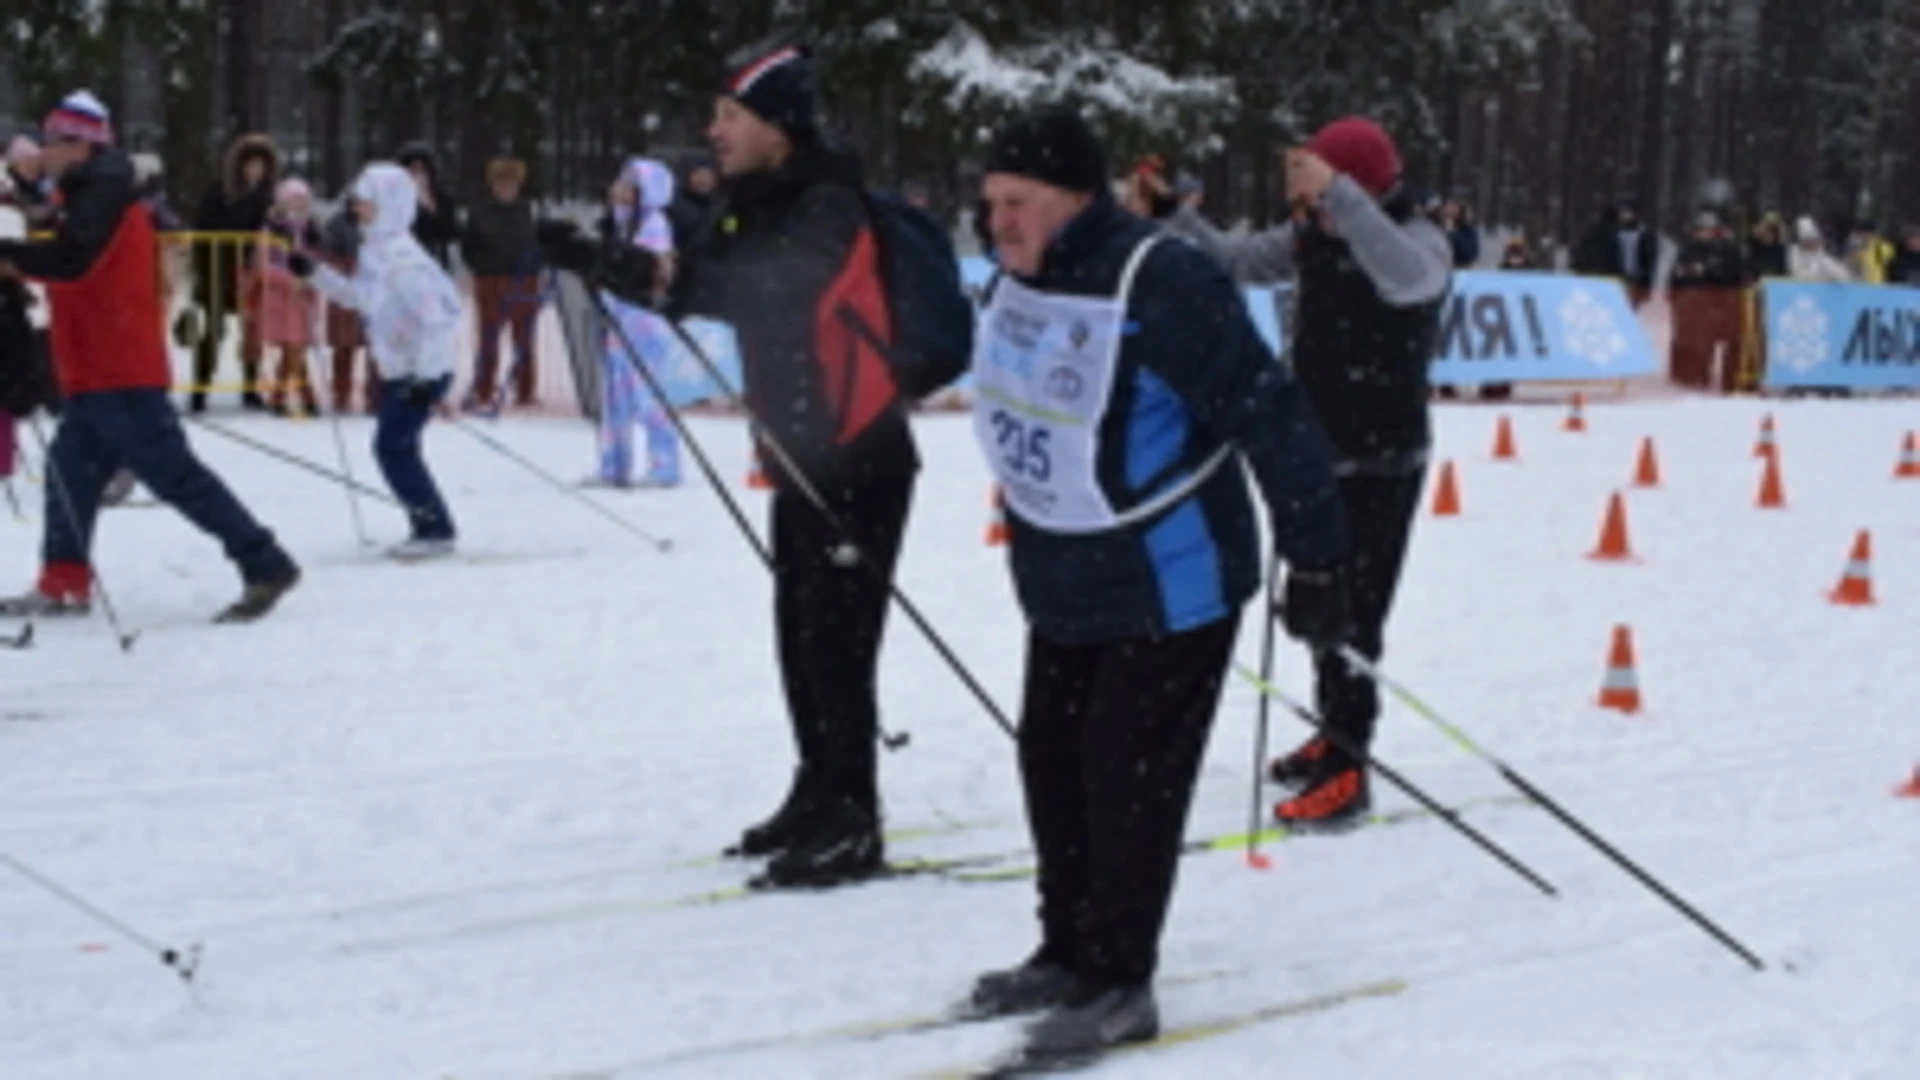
{"x":657,"y":543}
{"x":60,"y":493}
{"x":1254,"y":858}
{"x":1414,"y":792}
{"x":1526,"y":787}
{"x":294,"y":460}
{"x":183,"y":962}
{"x":890,"y":740}
{"x":679,"y":422}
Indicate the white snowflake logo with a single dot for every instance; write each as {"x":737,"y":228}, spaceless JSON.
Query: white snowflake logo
{"x":1590,"y":330}
{"x":1800,"y":336}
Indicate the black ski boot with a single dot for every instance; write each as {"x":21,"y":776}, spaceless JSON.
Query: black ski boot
{"x":788,"y":824}
{"x":1034,"y":986}
{"x":843,"y":845}
{"x":259,"y":597}
{"x":1298,"y":767}
{"x":1098,"y":1020}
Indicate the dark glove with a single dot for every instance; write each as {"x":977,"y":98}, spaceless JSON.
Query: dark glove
{"x":1315,"y":606}
{"x":422,"y":392}
{"x":187,"y":328}
{"x":301,"y":264}
{"x":563,"y":245}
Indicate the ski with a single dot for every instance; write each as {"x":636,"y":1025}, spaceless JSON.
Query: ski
{"x":966,"y":869}
{"x":1275,"y":835}
{"x":856,"y":1031}
{"x":892,"y":871}
{"x":21,"y":640}
{"x":1020,"y":1064}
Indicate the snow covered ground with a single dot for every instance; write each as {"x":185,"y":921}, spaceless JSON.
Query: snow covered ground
{"x":430,"y":821}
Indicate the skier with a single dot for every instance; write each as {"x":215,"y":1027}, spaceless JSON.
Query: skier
{"x":412,"y":312}
{"x":790,"y":261}
{"x":636,"y":216}
{"x":1120,"y":384}
{"x":111,"y":357}
{"x":1372,"y":274}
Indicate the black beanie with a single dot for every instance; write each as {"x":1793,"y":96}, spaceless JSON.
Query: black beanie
{"x":775,"y":82}
{"x":1053,"y":145}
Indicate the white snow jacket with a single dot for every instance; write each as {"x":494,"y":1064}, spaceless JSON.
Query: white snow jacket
{"x":411,"y":307}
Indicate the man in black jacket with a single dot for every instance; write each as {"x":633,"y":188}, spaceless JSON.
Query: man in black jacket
{"x":1371,"y":273}
{"x":791,"y":262}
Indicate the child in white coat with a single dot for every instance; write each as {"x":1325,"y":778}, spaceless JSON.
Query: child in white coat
{"x":412,"y":312}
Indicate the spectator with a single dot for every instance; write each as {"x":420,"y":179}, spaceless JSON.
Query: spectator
{"x":1867,"y":254}
{"x":1618,"y":246}
{"x":692,"y":209}
{"x":27,"y":180}
{"x":1809,"y":260}
{"x":1463,"y":236}
{"x":437,"y":225}
{"x":1904,"y":267}
{"x":637,"y":217}
{"x":287,"y":304}
{"x":1517,"y":255}
{"x":1710,"y":258}
{"x":501,"y":251}
{"x":1767,"y":247}
{"x":237,"y":202}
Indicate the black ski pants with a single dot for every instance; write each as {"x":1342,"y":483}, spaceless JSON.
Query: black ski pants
{"x":1380,"y":512}
{"x":830,"y":612}
{"x":1111,"y":737}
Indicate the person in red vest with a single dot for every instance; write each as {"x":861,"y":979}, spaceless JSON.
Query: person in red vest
{"x":101,"y":269}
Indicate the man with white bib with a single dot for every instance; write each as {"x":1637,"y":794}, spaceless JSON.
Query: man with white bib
{"x":1122,"y":395}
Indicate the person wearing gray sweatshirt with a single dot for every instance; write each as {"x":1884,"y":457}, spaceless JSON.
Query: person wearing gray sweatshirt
{"x":1371,"y":275}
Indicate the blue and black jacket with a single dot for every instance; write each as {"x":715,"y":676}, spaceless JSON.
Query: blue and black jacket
{"x":1193,"y":375}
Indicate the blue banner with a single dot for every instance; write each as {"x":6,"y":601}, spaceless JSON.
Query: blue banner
{"x":1497,"y":326}
{"x":685,"y":380}
{"x":1854,"y":336}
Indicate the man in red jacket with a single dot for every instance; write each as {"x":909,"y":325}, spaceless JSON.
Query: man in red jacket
{"x":101,"y":269}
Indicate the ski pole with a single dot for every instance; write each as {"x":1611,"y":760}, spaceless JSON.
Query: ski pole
{"x":65,"y":497}
{"x":1413,"y":791}
{"x":1254,"y":858}
{"x":812,"y":494}
{"x":184,"y":963}
{"x":346,"y":464}
{"x":892,"y":740}
{"x":660,"y":544}
{"x":1525,"y":787}
{"x":295,"y":460}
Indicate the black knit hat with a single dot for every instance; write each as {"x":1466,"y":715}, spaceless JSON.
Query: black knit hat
{"x":774,"y":80}
{"x":1053,"y":145}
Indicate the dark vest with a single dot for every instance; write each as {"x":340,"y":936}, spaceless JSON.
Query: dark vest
{"x":1362,"y":361}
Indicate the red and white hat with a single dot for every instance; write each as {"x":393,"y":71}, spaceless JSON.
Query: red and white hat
{"x":80,"y":117}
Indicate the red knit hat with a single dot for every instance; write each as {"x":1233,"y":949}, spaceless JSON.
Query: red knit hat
{"x":1363,"y":150}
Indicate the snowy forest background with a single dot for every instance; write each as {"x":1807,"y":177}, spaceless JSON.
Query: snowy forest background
{"x":1534,"y":111}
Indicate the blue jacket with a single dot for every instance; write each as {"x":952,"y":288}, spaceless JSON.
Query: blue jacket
{"x":1193,"y":375}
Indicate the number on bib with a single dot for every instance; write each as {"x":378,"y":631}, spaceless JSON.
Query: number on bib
{"x":1024,"y":448}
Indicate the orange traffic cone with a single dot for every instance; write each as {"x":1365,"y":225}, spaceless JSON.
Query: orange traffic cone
{"x":1910,"y":789}
{"x":1576,"y":418}
{"x":1856,"y":584}
{"x":1767,"y":443}
{"x":1773,"y":493}
{"x":1909,"y":467}
{"x":1504,"y":448}
{"x":757,"y":474}
{"x":997,"y":523}
{"x":1446,"y":497}
{"x":1613,"y":534}
{"x":1620,"y":690}
{"x":1647,"y":473}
